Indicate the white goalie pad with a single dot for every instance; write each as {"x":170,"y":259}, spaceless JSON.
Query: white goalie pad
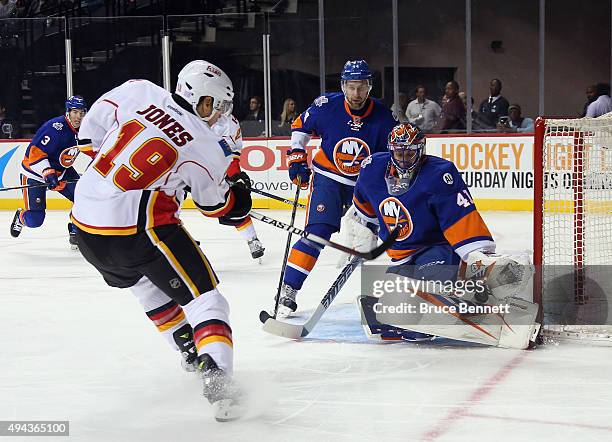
{"x":355,"y":234}
{"x":508,"y":323}
{"x":505,"y":275}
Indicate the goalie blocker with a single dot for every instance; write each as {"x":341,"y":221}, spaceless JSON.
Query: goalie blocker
{"x":490,"y":313}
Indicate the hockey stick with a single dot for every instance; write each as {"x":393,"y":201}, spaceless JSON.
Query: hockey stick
{"x":296,"y":331}
{"x":277,"y":198}
{"x":31,"y":186}
{"x":287,"y":248}
{"x":371,"y":254}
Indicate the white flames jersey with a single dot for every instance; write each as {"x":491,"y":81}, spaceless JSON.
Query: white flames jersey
{"x":228,"y":128}
{"x":148,"y":150}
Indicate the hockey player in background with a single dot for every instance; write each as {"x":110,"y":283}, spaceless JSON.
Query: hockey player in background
{"x":48,"y":160}
{"x":352,"y":126}
{"x":152,"y":145}
{"x":442,"y":236}
{"x":228,"y":128}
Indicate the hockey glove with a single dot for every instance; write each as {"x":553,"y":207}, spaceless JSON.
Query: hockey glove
{"x":53,"y":183}
{"x":241,"y":208}
{"x":236,"y":176}
{"x":299,"y":173}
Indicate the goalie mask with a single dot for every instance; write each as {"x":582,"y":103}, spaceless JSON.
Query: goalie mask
{"x":203,"y":79}
{"x":406,"y":144}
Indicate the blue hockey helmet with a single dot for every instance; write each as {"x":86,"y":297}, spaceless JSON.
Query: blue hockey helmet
{"x":356,"y":70}
{"x":76,"y":102}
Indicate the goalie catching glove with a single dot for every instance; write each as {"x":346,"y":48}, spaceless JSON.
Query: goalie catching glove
{"x":357,"y":233}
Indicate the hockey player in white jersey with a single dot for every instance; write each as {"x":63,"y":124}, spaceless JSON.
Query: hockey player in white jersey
{"x":150,"y":146}
{"x":228,"y":128}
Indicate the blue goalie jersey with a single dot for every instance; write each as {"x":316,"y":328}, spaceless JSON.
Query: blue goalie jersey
{"x":437,"y":208}
{"x":346,"y":138}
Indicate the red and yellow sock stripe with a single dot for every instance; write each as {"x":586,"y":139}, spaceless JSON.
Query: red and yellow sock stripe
{"x":167,"y":316}
{"x":213,"y":330}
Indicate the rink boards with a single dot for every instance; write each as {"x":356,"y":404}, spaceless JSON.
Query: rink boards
{"x":498,"y":168}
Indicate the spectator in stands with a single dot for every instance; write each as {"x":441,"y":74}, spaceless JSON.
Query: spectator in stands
{"x":591,"y":95}
{"x":452,"y":117}
{"x":478,"y":123}
{"x":602,"y":104}
{"x":288,"y":114}
{"x":8,"y":8}
{"x":495,"y":106}
{"x":256,"y":112}
{"x":423,"y":112}
{"x":8,"y":128}
{"x":399,"y":109}
{"x":514,"y":122}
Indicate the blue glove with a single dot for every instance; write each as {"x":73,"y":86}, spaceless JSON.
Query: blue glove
{"x":299,"y":173}
{"x":50,"y":176}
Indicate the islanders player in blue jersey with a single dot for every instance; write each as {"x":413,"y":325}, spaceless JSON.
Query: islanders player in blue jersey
{"x":442,"y":235}
{"x":352,"y":126}
{"x":48,"y":160}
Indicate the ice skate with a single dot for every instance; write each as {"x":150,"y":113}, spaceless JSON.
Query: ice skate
{"x":221,"y":391}
{"x":16,"y":225}
{"x":256,"y":248}
{"x":286,"y":305}
{"x":189,"y":362}
{"x":72,"y":238}
{"x":183,"y":337}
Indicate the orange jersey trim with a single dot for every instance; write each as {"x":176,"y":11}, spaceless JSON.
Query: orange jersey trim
{"x":400,"y":254}
{"x":35,"y":155}
{"x":364,"y":207}
{"x":359,"y":117}
{"x":229,"y":203}
{"x":108,"y":231}
{"x":324,"y":162}
{"x":470,"y":226}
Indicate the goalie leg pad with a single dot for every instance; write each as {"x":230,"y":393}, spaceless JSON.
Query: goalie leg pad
{"x":378,"y":331}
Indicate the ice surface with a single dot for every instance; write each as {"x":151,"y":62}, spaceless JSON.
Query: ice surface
{"x":72,"y":348}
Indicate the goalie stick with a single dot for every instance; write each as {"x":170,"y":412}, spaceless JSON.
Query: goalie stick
{"x":371,"y":254}
{"x":277,"y":198}
{"x":31,"y":186}
{"x":296,"y":331}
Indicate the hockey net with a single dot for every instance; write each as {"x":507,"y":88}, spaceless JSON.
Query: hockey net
{"x":573,"y":227}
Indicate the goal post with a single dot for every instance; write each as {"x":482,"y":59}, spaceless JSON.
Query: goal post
{"x":572,"y":227}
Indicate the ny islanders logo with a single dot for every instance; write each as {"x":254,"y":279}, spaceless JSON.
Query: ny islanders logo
{"x":395,"y":215}
{"x":68,"y":155}
{"x":348,"y":155}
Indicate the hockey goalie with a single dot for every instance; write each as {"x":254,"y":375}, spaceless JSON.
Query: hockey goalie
{"x":446,"y":279}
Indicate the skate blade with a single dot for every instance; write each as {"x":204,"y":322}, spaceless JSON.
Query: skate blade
{"x":227,"y":410}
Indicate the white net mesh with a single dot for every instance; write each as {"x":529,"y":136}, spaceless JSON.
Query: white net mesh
{"x":577,"y":228}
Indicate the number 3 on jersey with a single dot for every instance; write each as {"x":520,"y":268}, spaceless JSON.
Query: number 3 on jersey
{"x":151,"y":160}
